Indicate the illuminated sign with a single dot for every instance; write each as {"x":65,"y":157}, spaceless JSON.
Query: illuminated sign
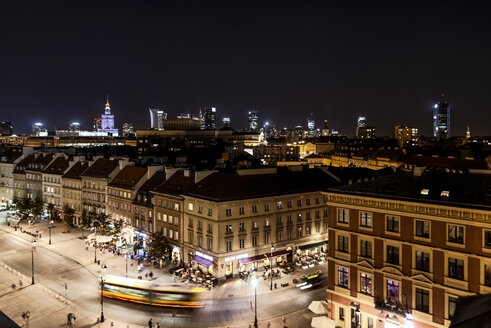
{"x":236,"y":257}
{"x":205,"y":256}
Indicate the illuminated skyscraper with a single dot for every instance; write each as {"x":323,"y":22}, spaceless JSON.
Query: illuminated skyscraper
{"x":6,"y":128}
{"x":38,"y":129}
{"x":253,"y":118}
{"x":406,"y":135}
{"x":361,"y":123}
{"x":157,"y":117}
{"x":97,"y":125}
{"x":311,"y":125}
{"x":74,"y":126}
{"x":128,"y":130}
{"x":107,"y":121}
{"x":441,"y":119}
{"x":325,"y":129}
{"x":209,"y":116}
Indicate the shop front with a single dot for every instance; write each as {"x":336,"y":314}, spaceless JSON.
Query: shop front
{"x":311,"y":254}
{"x":253,"y":263}
{"x":203,"y":261}
{"x":176,"y":255}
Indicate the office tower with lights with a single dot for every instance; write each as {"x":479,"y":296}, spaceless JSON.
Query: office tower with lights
{"x":253,"y":118}
{"x":209,"y":118}
{"x":360,"y":124}
{"x":157,"y":117}
{"x":406,"y":136}
{"x":311,"y":125}
{"x":38,"y":129}
{"x":6,"y":128}
{"x":97,"y":124}
{"x":325,"y":129}
{"x":226,"y":121}
{"x":74,"y":127}
{"x":107,"y":121}
{"x":441,"y":119}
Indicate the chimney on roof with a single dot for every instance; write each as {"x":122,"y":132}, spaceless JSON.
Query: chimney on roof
{"x":151,"y":169}
{"x":418,"y":170}
{"x":200,"y":175}
{"x":169,"y":171}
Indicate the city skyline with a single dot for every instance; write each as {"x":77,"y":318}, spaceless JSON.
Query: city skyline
{"x":284,"y":60}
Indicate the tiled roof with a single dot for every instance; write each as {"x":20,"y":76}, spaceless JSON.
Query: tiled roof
{"x":101,"y":168}
{"x":58,"y":166}
{"x":232,"y":186}
{"x":10,"y":155}
{"x":445,"y":162}
{"x":433,"y":186}
{"x":76,"y":170}
{"x":128,"y":177}
{"x":177,"y":183}
{"x":40,"y":162}
{"x":156,"y":180}
{"x":22,"y":165}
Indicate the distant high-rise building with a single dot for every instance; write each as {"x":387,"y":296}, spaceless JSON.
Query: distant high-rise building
{"x":6,"y":128}
{"x":441,"y":119}
{"x":128,"y":130}
{"x":38,"y":129}
{"x":406,"y":135}
{"x":209,"y":118}
{"x":74,"y":126}
{"x":325,"y":129}
{"x":157,"y":117}
{"x":311,"y":125}
{"x":183,"y":115}
{"x":468,"y":133}
{"x":366,"y":132}
{"x":253,"y":118}
{"x":360,"y":124}
{"x":97,"y":124}
{"x":107,"y":121}
{"x":226,"y":120}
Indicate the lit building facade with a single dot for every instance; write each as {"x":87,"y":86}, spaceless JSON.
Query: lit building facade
{"x":253,"y":120}
{"x":157,"y":117}
{"x":406,"y":136}
{"x":209,"y":118}
{"x":107,"y":121}
{"x":441,"y":119}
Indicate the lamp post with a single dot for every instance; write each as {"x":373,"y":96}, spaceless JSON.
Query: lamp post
{"x":32,"y":253}
{"x":254,"y":284}
{"x":95,"y":251}
{"x":271,"y":266}
{"x":102,"y":292}
{"x":49,"y":229}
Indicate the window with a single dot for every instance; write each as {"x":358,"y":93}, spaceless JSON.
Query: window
{"x":200,"y":241}
{"x":229,"y":245}
{"x":279,"y":235}
{"x":299,"y":217}
{"x":209,"y":243}
{"x":254,"y":208}
{"x":365,"y":220}
{"x":393,"y":291}
{"x":289,"y":204}
{"x":299,"y":202}
{"x":254,"y":241}
{"x":317,"y":214}
{"x":307,"y":201}
{"x":279,"y":220}
{"x":170,"y":219}
{"x":341,"y":313}
{"x":307,"y":216}
{"x":164,"y":216}
{"x":392,"y":223}
{"x":325,"y":214}
{"x":452,"y":302}
{"x":200,"y":209}
{"x":393,"y":255}
{"x":267,"y":238}
{"x":241,"y":210}
{"x":171,"y":232}
{"x":308,"y":230}
{"x":190,"y":236}
{"x":343,"y":244}
{"x":200,"y":225}
{"x":266,"y":207}
{"x":279,"y":205}
{"x":422,"y":300}
{"x":343,"y":215}
{"x":366,"y":248}
{"x":455,"y":234}
{"x":487,"y":238}
{"x":299,"y":232}
{"x":456,"y":268}
{"x":210,"y":228}
{"x":370,"y":323}
{"x":422,"y":229}
{"x":241,"y":243}
{"x":317,"y":200}
{"x":228,"y":212}
{"x":176,"y":235}
{"x":228,"y":228}
{"x":487,"y":275}
{"x":190,"y":206}
{"x":210,"y":212}
{"x":254,"y":225}
{"x":343,"y":277}
{"x":317,"y":227}
{"x":266,"y":222}
{"x":422,"y":261}
{"x":241,"y":226}
{"x":366,"y":283}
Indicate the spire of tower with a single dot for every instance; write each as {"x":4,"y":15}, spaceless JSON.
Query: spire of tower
{"x":107,"y":100}
{"x":108,"y":108}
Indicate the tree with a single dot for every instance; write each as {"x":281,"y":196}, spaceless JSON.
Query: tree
{"x":68,"y":214}
{"x":51,"y":208}
{"x":159,"y":245}
{"x":117,"y":226}
{"x":85,"y":221}
{"x":101,"y":223}
{"x":37,"y":207}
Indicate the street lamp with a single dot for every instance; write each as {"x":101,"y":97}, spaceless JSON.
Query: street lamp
{"x":102,"y":291}
{"x":95,"y":251}
{"x":32,"y":253}
{"x":49,"y":229}
{"x":271,"y":266}
{"x":254,"y":284}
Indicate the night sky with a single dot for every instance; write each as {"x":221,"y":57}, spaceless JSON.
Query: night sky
{"x":388,"y":61}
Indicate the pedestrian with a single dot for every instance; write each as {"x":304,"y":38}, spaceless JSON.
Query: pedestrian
{"x":13,"y":286}
{"x":158,"y":325}
{"x":150,"y":323}
{"x":20,"y":283}
{"x":151,"y":275}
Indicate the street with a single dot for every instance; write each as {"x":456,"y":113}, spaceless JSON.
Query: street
{"x":67,"y":262}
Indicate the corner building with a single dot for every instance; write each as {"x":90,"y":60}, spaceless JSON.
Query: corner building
{"x":404,"y":248}
{"x":232,"y":220}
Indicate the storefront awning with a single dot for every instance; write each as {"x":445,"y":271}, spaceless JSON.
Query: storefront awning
{"x":103,"y":239}
{"x":320,"y":243}
{"x":262,"y":257}
{"x":202,"y":260}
